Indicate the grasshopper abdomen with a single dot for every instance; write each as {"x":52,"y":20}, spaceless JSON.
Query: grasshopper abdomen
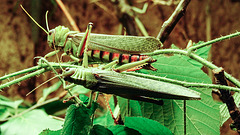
{"x":104,"y":56}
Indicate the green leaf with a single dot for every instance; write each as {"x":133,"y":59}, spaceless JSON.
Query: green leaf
{"x":4,"y":98}
{"x":202,"y":116}
{"x":49,"y":90}
{"x":123,"y":130}
{"x":4,"y":113}
{"x":146,"y":126}
{"x":83,"y":98}
{"x":51,"y":132}
{"x":77,"y":121}
{"x":80,"y":89}
{"x":31,"y":123}
{"x":106,"y":119}
{"x":129,"y":107}
{"x":12,"y":104}
{"x":100,"y":130}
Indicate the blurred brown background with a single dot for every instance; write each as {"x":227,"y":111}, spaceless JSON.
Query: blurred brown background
{"x":21,"y":40}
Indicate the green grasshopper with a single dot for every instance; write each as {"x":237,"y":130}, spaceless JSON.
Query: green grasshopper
{"x":128,"y":86}
{"x":105,"y":48}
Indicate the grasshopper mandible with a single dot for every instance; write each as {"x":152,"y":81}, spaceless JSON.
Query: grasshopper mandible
{"x":105,"y":48}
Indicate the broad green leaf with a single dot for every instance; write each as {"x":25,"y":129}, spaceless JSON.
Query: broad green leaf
{"x":146,"y":126}
{"x":123,"y":130}
{"x":202,"y":116}
{"x":51,"y":132}
{"x":79,"y":89}
{"x":4,"y":98}
{"x":129,"y":107}
{"x":4,"y":113}
{"x":49,"y":90}
{"x":31,"y":123}
{"x":100,"y":130}
{"x":12,"y":104}
{"x":77,"y":121}
{"x":106,"y":119}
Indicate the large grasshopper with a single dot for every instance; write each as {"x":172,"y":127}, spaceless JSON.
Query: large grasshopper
{"x":105,"y":48}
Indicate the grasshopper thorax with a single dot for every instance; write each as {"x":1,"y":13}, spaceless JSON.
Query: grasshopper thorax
{"x":57,"y":37}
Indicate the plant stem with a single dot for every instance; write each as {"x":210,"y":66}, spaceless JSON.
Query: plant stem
{"x":20,"y":72}
{"x":168,"y":25}
{"x":197,"y":58}
{"x":38,"y":72}
{"x":213,"y":41}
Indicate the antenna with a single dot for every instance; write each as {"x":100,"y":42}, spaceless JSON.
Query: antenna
{"x":46,"y":20}
{"x":42,"y":84}
{"x":33,"y":20}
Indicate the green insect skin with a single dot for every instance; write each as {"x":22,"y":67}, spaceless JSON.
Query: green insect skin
{"x":128,"y":86}
{"x":68,"y":41}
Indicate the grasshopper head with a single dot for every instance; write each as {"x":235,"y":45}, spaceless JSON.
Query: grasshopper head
{"x":57,"y":37}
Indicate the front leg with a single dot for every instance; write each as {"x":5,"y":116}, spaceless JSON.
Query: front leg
{"x":83,"y":46}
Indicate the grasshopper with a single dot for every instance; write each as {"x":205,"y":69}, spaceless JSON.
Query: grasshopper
{"x":128,"y":86}
{"x":105,"y":48}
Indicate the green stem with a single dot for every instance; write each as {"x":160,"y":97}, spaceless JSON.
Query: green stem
{"x":182,"y":83}
{"x":213,"y":41}
{"x":20,"y":72}
{"x":197,"y":58}
{"x":38,"y":72}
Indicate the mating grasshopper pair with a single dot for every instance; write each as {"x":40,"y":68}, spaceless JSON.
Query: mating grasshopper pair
{"x":117,"y":49}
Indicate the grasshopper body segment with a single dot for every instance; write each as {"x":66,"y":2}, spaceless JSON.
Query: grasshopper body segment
{"x":128,"y":85}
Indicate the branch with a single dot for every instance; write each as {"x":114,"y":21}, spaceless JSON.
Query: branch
{"x":228,"y":98}
{"x":168,"y":25}
{"x":194,"y":57}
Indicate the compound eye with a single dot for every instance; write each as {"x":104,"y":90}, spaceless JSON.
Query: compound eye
{"x":51,"y":32}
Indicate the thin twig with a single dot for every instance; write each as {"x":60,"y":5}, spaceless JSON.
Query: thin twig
{"x":168,"y":25}
{"x":69,"y":17}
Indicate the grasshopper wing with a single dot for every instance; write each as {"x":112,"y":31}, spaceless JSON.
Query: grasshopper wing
{"x":119,"y":43}
{"x":122,"y":84}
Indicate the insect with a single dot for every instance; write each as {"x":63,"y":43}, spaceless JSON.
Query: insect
{"x":101,"y":47}
{"x":128,"y":86}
